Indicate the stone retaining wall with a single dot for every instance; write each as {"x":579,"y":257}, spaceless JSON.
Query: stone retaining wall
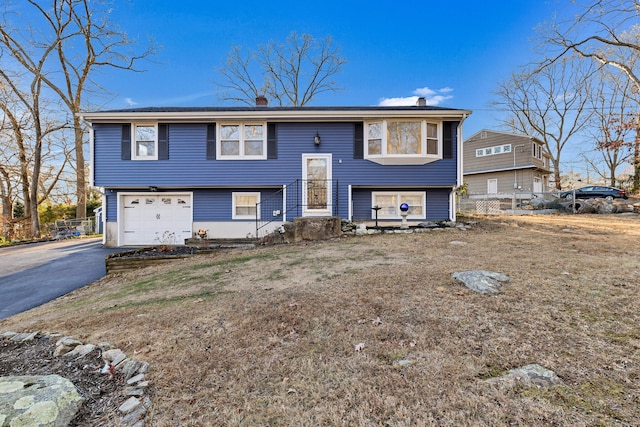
{"x":120,"y":264}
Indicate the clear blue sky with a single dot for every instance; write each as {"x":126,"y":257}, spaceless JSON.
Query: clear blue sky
{"x":393,"y":49}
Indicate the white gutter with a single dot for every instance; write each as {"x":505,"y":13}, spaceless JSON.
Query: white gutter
{"x":460,"y":177}
{"x":453,"y":207}
{"x":282,"y":115}
{"x":350,"y":204}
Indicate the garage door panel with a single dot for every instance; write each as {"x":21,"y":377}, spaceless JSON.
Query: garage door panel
{"x":156,"y":219}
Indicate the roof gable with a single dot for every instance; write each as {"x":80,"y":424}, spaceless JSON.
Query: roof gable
{"x":493,"y":134}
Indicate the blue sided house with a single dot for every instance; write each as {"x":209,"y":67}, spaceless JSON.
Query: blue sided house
{"x":241,"y":172}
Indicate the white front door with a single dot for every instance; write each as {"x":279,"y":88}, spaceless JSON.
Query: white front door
{"x":155,"y":219}
{"x":492,"y":186}
{"x":316,"y":184}
{"x":537,"y":185}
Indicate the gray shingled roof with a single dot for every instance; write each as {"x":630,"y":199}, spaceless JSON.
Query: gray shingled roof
{"x":247,"y":108}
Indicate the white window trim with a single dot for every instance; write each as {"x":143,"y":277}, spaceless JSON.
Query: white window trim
{"x":241,"y":156}
{"x":233,"y":204}
{"x":491,"y":151}
{"x":381,"y":215}
{"x":318,"y":212}
{"x":403,"y":159}
{"x":134,"y":146}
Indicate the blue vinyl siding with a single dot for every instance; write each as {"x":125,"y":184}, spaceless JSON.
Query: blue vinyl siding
{"x":112,"y":207}
{"x":216,"y":204}
{"x":187,"y":165}
{"x":361,"y":199}
{"x":212,"y":181}
{"x":213,"y":204}
{"x":437,"y":202}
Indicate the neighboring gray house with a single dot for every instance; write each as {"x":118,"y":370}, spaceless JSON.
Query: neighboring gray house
{"x":501,"y":163}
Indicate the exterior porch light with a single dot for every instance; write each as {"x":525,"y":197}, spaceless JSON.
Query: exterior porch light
{"x":316,"y":139}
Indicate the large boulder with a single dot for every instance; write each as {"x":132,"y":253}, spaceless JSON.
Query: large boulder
{"x":598,"y":206}
{"x":533,"y":374}
{"x":315,"y":228}
{"x":482,"y":281}
{"x":38,"y":401}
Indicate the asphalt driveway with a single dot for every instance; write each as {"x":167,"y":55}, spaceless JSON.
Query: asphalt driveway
{"x":33,"y":274}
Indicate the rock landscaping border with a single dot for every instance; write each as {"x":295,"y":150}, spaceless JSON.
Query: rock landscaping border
{"x":132,"y":411}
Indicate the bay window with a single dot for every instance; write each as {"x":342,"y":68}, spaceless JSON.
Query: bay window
{"x":403,"y":141}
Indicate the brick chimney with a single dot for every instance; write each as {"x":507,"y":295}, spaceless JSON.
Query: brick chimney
{"x":421,"y":102}
{"x":261,"y":101}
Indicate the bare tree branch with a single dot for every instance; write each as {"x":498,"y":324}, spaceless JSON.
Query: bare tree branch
{"x":550,"y":104}
{"x":613,"y":111}
{"x":289,"y":73}
{"x":73,"y":40}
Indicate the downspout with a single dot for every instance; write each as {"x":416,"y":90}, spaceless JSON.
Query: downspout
{"x":453,"y":208}
{"x":284,"y":203}
{"x":349,"y":204}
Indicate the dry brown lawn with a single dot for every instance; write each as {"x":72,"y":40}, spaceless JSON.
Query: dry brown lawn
{"x":268,"y":337}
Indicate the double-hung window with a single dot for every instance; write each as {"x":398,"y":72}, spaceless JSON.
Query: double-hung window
{"x":389,"y":203}
{"x":403,"y":141}
{"x":144,"y":141}
{"x":245,"y":204}
{"x":537,"y":151}
{"x":242,"y":141}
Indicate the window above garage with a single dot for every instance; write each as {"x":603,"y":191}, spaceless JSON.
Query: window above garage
{"x":144,"y":141}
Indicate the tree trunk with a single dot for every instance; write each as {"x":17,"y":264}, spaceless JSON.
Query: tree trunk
{"x":556,"y":171}
{"x":636,"y":159}
{"x":24,"y":173}
{"x":35,"y":180}
{"x":612,"y":173}
{"x":33,"y":213}
{"x":7,"y":207}
{"x":81,"y":183}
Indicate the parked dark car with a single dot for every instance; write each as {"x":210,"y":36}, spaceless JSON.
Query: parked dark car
{"x":593,"y":191}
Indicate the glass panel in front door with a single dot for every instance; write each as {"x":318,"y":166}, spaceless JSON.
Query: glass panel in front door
{"x":316,"y":183}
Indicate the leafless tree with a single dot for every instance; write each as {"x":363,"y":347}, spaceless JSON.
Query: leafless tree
{"x":612,"y":114}
{"x":7,"y":195}
{"x":550,"y":104}
{"x":64,"y":46}
{"x":607,"y":32}
{"x":25,"y":118}
{"x":289,"y":74}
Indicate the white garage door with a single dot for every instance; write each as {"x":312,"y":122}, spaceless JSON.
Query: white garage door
{"x":154,"y":219}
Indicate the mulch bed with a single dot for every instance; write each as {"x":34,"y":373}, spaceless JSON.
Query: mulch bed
{"x":102,"y":394}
